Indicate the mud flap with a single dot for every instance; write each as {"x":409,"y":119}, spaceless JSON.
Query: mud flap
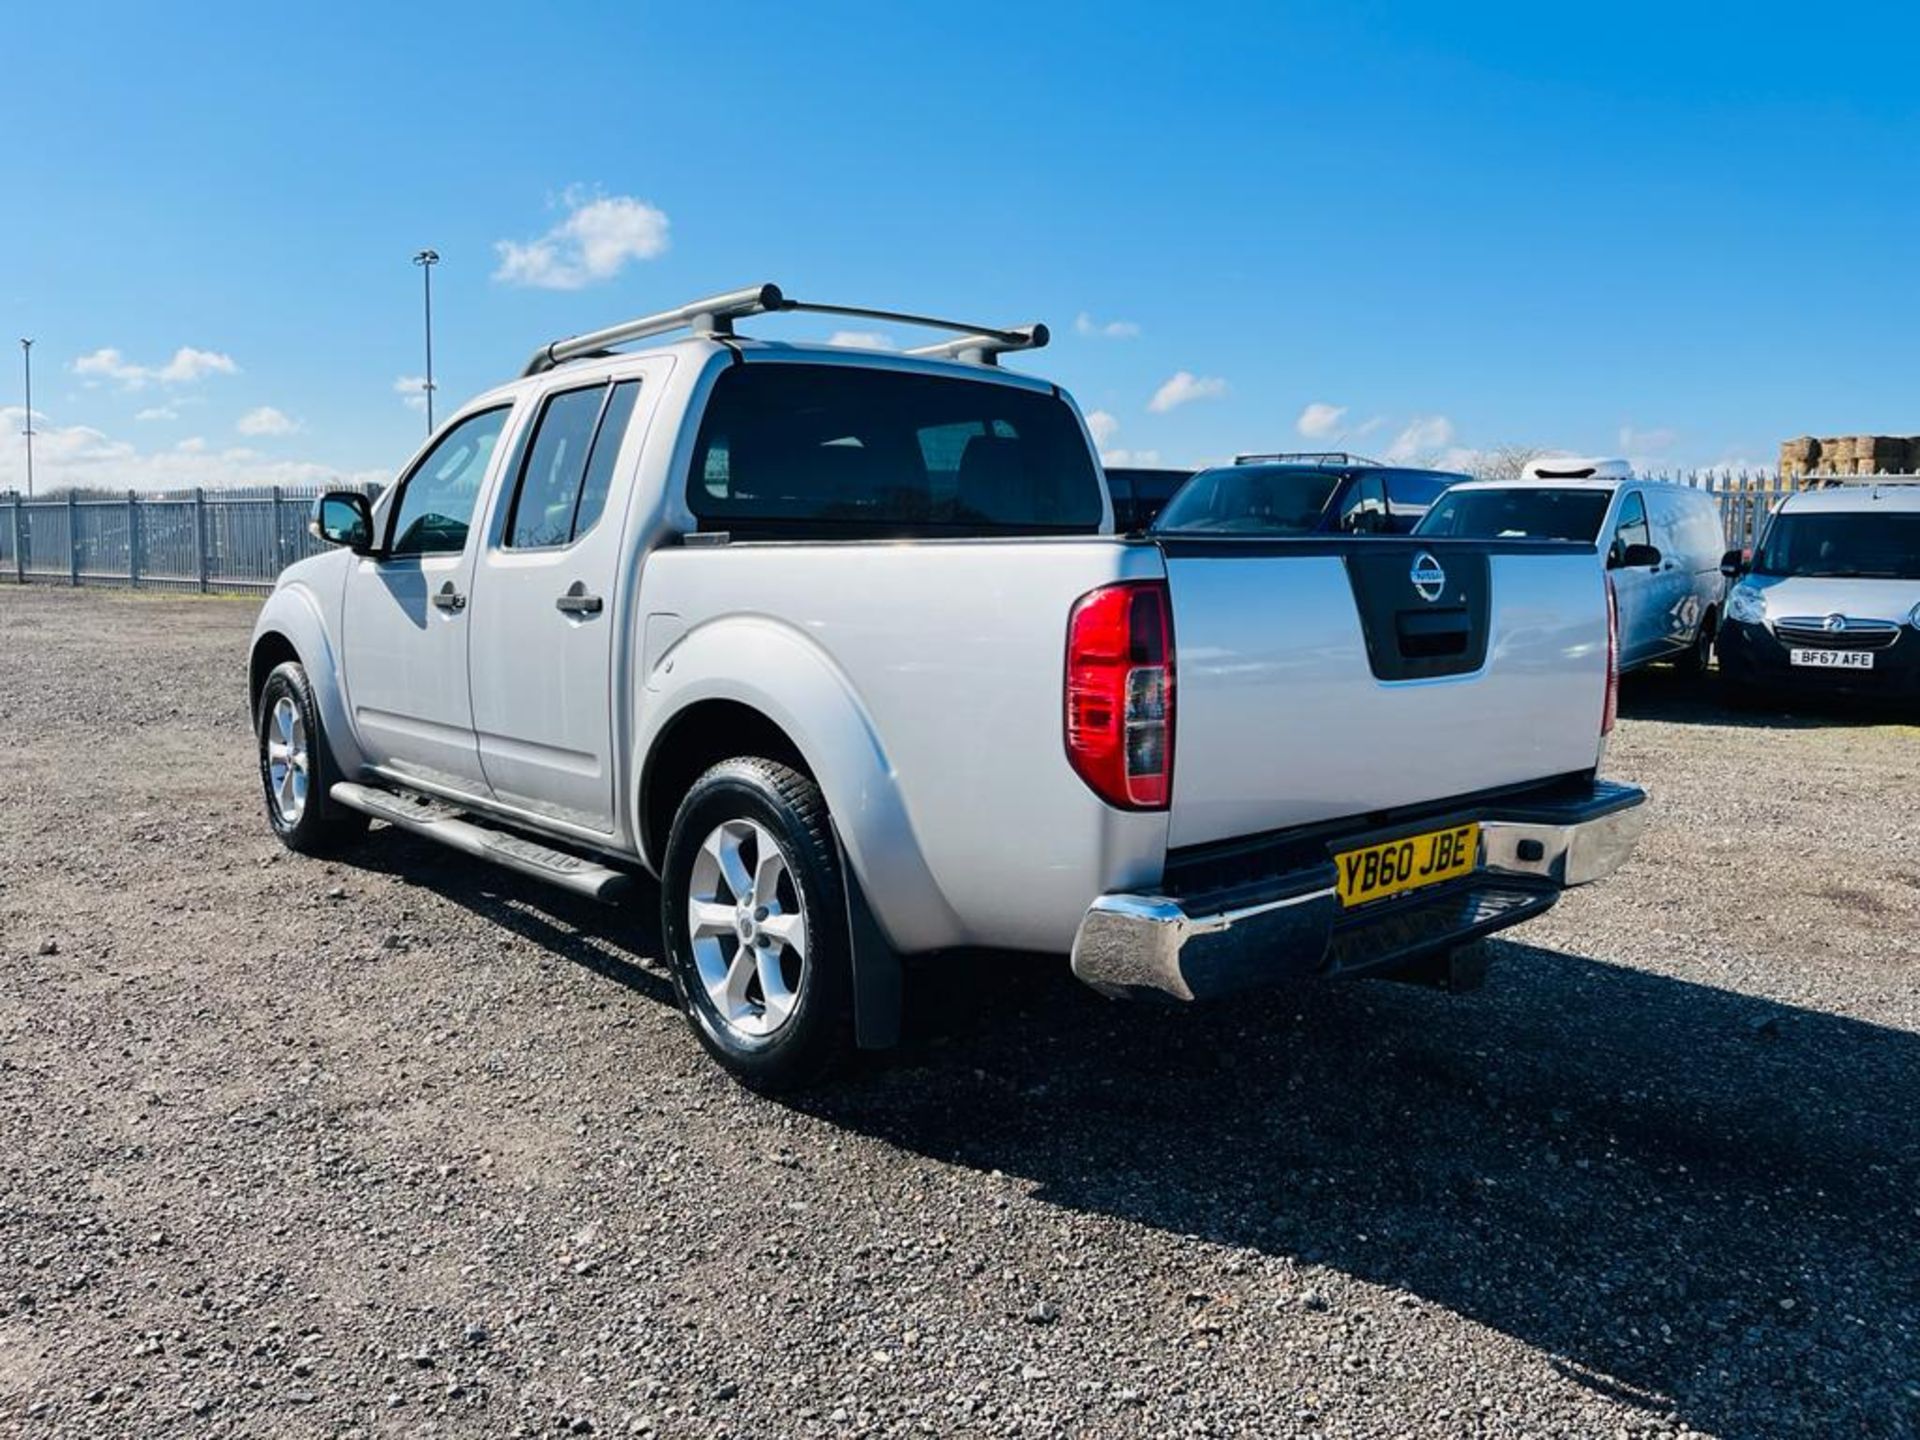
{"x":879,"y":987}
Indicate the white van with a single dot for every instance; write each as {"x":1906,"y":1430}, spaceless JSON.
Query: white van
{"x":1662,"y":545}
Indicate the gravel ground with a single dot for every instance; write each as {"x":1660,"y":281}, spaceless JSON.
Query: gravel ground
{"x":410,"y":1146}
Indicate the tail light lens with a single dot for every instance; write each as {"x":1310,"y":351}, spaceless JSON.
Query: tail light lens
{"x":1612,"y":708}
{"x":1120,"y":693}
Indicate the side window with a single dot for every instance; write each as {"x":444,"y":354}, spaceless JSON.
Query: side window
{"x":437,"y":499}
{"x":1364,"y":511}
{"x":1409,"y":497}
{"x":1632,"y":527}
{"x":568,"y":469}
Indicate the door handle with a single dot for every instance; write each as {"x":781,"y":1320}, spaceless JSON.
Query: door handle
{"x":449,"y":598}
{"x":577,"y":602}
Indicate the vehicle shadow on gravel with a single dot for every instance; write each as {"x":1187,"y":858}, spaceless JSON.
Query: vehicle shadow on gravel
{"x":1676,"y":698}
{"x":611,"y":941}
{"x":1692,"y":1200}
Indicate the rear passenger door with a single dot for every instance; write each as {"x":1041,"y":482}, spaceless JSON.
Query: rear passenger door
{"x":546,"y":591}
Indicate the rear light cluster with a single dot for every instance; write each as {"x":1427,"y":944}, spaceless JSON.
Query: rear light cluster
{"x":1120,"y":693}
{"x":1612,"y":708}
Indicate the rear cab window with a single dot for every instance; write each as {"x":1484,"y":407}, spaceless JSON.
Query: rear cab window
{"x":800,"y":451}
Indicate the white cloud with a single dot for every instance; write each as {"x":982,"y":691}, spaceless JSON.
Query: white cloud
{"x":1185,"y":386}
{"x":186,"y":366}
{"x":861,"y":339}
{"x":1102,"y":426}
{"x":79,"y":455}
{"x":1422,"y":437}
{"x":158,"y":412}
{"x":1656,"y":441}
{"x":600,"y":235}
{"x":1320,"y":421}
{"x":1145,"y":459}
{"x":1105,"y":330}
{"x":265,"y":420}
{"x":412,"y":390}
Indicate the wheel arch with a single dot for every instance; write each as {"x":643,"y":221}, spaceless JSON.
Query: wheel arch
{"x":291,"y":627}
{"x":754,"y":682}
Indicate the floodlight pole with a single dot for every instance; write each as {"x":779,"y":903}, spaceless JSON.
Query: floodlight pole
{"x":26,"y":357}
{"x":426,"y":260}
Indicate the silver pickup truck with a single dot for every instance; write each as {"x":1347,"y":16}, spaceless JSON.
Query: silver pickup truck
{"x":839,"y":645}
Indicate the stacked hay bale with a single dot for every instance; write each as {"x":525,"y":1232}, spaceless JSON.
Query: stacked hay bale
{"x":1851,"y":455}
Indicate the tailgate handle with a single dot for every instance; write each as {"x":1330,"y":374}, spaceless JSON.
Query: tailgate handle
{"x":1430,"y":634}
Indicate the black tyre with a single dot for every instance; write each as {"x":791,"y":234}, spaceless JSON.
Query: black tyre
{"x":296,"y":768}
{"x":1699,"y":655}
{"x":753,"y":911}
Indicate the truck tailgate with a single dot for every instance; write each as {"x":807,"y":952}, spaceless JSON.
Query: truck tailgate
{"x":1319,"y":679}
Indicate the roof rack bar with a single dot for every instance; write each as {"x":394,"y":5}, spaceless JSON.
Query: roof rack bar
{"x":712,"y":316}
{"x":981,"y":347}
{"x":715,"y":316}
{"x":1306,"y":457}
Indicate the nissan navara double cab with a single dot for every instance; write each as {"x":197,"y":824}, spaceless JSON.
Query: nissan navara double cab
{"x":841,"y":648}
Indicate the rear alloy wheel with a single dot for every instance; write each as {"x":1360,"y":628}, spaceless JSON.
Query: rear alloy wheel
{"x":296,"y":770}
{"x":754,"y":915}
{"x":748,"y":929}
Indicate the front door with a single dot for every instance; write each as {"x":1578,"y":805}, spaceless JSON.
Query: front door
{"x":405,"y":615}
{"x":1635,"y":587}
{"x":542,"y":663}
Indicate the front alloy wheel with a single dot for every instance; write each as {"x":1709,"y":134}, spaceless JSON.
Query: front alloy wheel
{"x":289,"y":764}
{"x":295,"y":770}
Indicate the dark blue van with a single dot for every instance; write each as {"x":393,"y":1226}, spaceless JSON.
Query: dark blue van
{"x":1329,"y":493}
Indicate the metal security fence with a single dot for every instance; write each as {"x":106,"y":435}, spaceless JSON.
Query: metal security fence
{"x":194,"y":539}
{"x":242,"y":539}
{"x":1746,"y":497}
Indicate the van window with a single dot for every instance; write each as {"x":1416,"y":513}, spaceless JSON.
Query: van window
{"x":1410,"y":494}
{"x":1842,"y":543}
{"x":1524,"y":512}
{"x":1631,"y":528}
{"x":1364,"y":510}
{"x":851,"y":452}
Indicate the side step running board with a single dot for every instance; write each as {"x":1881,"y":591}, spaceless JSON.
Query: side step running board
{"x":450,"y":826}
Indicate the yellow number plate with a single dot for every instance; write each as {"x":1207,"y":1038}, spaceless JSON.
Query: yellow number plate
{"x":1376,"y":871}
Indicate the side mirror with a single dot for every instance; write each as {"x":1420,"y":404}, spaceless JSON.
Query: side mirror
{"x":1733,"y":564}
{"x":1635,"y":557}
{"x":343,"y":517}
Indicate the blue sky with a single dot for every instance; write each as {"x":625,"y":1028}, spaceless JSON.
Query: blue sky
{"x":1673,"y":232}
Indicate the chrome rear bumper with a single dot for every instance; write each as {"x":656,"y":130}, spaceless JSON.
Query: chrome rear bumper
{"x":1193,"y":947}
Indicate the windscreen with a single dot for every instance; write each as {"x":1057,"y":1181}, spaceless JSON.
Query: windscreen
{"x":855,"y":452}
{"x":1249,"y":500}
{"x":1521,"y":513}
{"x":1877,"y":544}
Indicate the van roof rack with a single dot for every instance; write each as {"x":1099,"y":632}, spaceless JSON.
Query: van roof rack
{"x":1822,"y":482}
{"x":1307,"y":457}
{"x":714,"y":316}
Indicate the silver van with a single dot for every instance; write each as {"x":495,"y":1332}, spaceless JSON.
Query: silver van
{"x":1830,"y":602}
{"x":1662,"y":545}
